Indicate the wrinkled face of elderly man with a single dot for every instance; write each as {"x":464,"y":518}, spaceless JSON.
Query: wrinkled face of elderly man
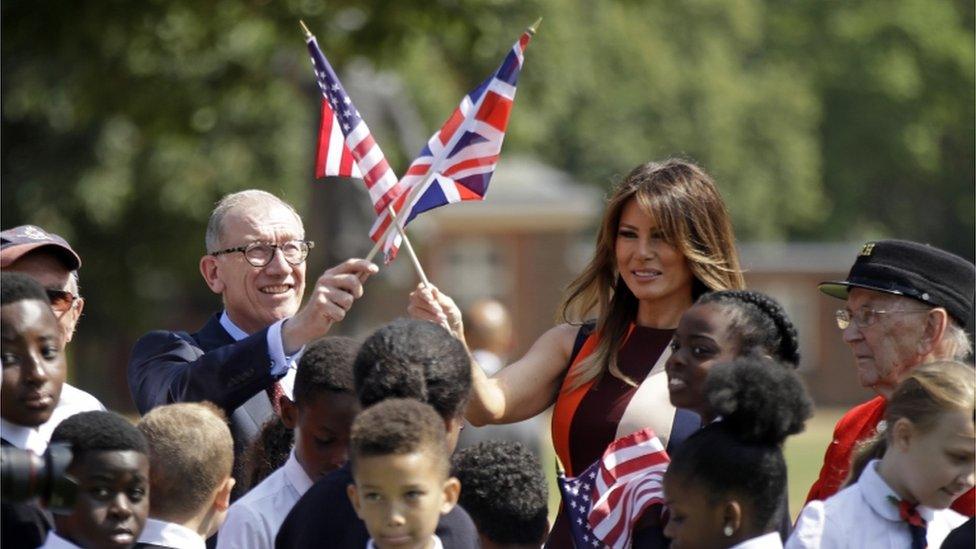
{"x":260,"y":267}
{"x":889,"y":335}
{"x":61,"y":286}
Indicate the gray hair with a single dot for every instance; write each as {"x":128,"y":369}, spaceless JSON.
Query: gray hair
{"x":229,"y":203}
{"x":955,"y":343}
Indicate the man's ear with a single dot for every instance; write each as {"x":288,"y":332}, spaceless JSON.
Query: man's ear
{"x":289,"y":412}
{"x":936,"y":322}
{"x":452,"y":490}
{"x":76,"y":308}
{"x":210,"y":271}
{"x":353,"y":498}
{"x":222,"y":498}
{"x":902,"y":433}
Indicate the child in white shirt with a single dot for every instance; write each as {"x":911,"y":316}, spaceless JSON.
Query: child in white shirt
{"x":926,"y":461}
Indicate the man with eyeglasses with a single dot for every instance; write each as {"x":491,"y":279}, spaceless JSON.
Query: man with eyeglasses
{"x":243,"y":359}
{"x":50,"y":260}
{"x":906,"y":304}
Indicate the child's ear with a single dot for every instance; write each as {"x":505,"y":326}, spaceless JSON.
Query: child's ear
{"x":222,"y":497}
{"x":452,"y":490}
{"x":732,"y":515}
{"x":353,"y":498}
{"x":902,"y":433}
{"x":289,"y":412}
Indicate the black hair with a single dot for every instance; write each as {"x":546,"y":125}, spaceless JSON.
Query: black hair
{"x":760,"y":323}
{"x":16,"y":287}
{"x":326,"y":365}
{"x":399,"y":426}
{"x":266,"y":453}
{"x":504,"y":491}
{"x":760,"y":403}
{"x":414,"y":359}
{"x":99,"y":431}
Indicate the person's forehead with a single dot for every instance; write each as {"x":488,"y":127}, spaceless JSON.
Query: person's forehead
{"x":115,"y":463}
{"x":264,"y":219}
{"x":27,"y":315}
{"x":862,"y":297}
{"x":44,"y":267}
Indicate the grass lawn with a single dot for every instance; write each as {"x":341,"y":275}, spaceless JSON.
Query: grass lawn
{"x":804,"y":456}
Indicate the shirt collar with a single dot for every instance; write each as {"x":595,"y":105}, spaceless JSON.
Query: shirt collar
{"x":295,"y":474}
{"x":25,"y":438}
{"x":232,"y":329}
{"x":170,"y":534}
{"x":437,"y":543}
{"x":765,"y":541}
{"x":881,"y":497}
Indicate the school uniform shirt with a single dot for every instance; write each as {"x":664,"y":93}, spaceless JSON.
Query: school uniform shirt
{"x":159,"y":533}
{"x":437,"y":543}
{"x":254,"y":520}
{"x":765,"y":541}
{"x":863,"y":515}
{"x":54,"y":541}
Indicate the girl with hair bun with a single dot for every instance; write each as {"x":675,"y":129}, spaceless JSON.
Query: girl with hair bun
{"x":904,"y":480}
{"x":720,"y":327}
{"x":725,"y":484}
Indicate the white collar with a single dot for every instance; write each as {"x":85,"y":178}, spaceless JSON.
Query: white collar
{"x":232,"y":329}
{"x":765,"y":541}
{"x":437,"y":543}
{"x":879,"y":495}
{"x":25,"y":438}
{"x":54,"y":541}
{"x":295,"y":474}
{"x":170,"y":534}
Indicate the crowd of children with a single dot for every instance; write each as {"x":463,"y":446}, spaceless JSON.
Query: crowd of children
{"x":361,"y":456}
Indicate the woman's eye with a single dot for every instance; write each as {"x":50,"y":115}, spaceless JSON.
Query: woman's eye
{"x":627,"y":234}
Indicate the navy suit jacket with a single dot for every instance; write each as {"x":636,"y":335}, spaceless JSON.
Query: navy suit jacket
{"x":167,"y":367}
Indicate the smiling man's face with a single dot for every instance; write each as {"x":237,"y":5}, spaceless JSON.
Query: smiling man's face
{"x":256,"y":297}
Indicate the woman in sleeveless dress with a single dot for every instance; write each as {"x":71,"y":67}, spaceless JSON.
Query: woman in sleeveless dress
{"x":665,"y":238}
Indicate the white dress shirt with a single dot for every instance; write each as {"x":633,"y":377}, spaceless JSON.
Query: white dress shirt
{"x":862,"y":515}
{"x":54,"y":541}
{"x":280,"y":364}
{"x":437,"y":543}
{"x":35,"y":439}
{"x":170,"y":534}
{"x":765,"y":541}
{"x":253,"y":521}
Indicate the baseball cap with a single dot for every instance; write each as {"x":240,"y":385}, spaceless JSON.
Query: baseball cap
{"x":18,"y":241}
{"x":911,"y":269}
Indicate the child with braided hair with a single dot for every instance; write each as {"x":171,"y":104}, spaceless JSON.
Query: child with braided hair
{"x":724,"y":485}
{"x":720,"y":327}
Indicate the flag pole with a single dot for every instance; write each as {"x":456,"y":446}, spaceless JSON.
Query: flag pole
{"x":531,"y":29}
{"x":406,"y":241}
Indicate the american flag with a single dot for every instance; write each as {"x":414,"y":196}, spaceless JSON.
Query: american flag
{"x":459,"y":159}
{"x":604,"y":502}
{"x":346,"y":146}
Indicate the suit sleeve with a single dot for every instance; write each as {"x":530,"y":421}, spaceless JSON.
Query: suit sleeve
{"x":167,"y":367}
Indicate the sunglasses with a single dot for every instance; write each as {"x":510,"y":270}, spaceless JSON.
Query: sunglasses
{"x":61,"y":300}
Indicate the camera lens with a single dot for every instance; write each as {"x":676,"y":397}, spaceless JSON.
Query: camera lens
{"x":25,"y":476}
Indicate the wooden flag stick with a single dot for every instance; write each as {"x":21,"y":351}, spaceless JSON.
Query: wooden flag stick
{"x":394,"y":221}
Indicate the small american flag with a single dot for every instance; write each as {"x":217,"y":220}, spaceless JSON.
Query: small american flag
{"x":604,"y":502}
{"x":346,"y":146}
{"x":459,"y":159}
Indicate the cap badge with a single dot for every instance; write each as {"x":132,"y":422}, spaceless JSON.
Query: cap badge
{"x":866,"y":250}
{"x":35,"y":233}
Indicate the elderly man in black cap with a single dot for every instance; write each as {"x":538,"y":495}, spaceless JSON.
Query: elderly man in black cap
{"x":50,"y":260}
{"x":906,"y":304}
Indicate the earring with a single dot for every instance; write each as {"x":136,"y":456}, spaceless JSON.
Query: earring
{"x":728,"y":530}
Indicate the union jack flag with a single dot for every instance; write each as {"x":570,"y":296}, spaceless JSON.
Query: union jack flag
{"x":346,"y":147}
{"x":604,"y":502}
{"x":459,"y":159}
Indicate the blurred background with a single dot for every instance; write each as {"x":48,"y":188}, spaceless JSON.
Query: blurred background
{"x":824,"y":124}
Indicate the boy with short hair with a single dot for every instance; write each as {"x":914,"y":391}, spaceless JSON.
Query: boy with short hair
{"x":505,"y":492}
{"x":321,"y":415}
{"x":400,"y":467}
{"x":33,"y":375}
{"x":191,"y":457}
{"x":110,"y":463}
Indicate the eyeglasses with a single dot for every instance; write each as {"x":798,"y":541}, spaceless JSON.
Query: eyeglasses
{"x":61,"y":300}
{"x":260,"y":254}
{"x":865,"y":317}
